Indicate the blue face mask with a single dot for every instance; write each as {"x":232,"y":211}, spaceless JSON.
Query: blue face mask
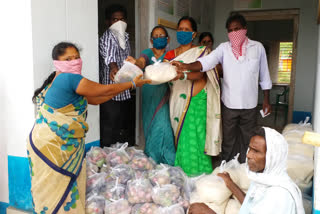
{"x":160,"y":43}
{"x":184,"y":37}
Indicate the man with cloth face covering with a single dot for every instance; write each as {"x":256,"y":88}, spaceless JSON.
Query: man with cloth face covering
{"x":244,"y":65}
{"x":116,"y":120}
{"x":271,"y":191}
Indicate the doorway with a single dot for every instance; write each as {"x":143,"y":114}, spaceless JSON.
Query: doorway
{"x":277,"y":30}
{"x":131,"y":30}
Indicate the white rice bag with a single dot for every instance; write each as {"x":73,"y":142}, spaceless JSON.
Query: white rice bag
{"x":233,"y":207}
{"x":212,"y":189}
{"x":160,"y":72}
{"x":127,"y":72}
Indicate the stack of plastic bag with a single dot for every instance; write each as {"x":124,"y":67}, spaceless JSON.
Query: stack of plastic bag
{"x":123,"y":180}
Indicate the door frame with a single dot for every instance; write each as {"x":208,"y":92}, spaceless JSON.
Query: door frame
{"x":285,"y":14}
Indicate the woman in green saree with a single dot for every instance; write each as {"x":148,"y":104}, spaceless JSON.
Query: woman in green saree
{"x":194,"y":106}
{"x":155,"y":106}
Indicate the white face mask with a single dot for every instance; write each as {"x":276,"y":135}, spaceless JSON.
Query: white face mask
{"x":119,"y":30}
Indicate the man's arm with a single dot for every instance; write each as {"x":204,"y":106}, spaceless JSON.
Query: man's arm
{"x":265,"y":81}
{"x":200,"y":208}
{"x":266,"y":102}
{"x":205,"y":63}
{"x":234,"y":188}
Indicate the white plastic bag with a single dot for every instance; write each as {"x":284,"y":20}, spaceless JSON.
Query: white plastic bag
{"x":160,"y":175}
{"x":174,"y":209}
{"x":160,"y":72}
{"x":119,"y":156}
{"x":140,"y":161}
{"x":121,"y":206}
{"x":114,"y":190}
{"x":166,"y":195}
{"x":127,"y":72}
{"x":139,"y":191}
{"x":147,"y":208}
{"x":122,"y":172}
{"x":212,"y":189}
{"x":233,"y":207}
{"x":95,"y":204}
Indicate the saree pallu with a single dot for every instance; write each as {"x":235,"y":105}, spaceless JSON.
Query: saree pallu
{"x":180,"y":98}
{"x":56,"y":151}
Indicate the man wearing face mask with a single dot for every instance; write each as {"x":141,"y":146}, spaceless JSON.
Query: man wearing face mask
{"x":114,"y":48}
{"x":244,"y":64}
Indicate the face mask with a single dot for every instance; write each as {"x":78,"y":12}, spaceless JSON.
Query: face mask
{"x":72,"y":66}
{"x":237,"y":39}
{"x":160,"y":43}
{"x":119,"y":30}
{"x":184,"y":37}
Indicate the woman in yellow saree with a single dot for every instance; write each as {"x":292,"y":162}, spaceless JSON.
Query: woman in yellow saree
{"x":194,"y":106}
{"x":56,"y":144}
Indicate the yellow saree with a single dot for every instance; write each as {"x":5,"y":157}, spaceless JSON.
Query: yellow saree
{"x":56,"y":150}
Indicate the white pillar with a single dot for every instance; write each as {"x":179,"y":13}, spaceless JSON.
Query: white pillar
{"x":316,"y":125}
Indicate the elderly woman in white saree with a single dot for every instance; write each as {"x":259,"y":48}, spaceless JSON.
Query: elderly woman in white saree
{"x":194,"y":106}
{"x":271,"y":189}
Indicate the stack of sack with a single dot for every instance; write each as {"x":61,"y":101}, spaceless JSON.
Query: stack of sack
{"x":300,"y":160}
{"x":211,"y":189}
{"x":123,"y":180}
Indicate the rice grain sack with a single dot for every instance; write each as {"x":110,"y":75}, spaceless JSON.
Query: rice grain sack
{"x":218,"y":208}
{"x":233,"y":207}
{"x":212,"y":189}
{"x":160,"y":72}
{"x":300,"y":169}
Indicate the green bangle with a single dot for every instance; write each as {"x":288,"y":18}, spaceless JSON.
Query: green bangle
{"x":185,"y":76}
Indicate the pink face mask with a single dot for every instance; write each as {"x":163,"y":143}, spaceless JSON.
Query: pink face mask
{"x":237,"y":38}
{"x":72,"y":66}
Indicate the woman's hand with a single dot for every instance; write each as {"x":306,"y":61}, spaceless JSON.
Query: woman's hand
{"x":140,"y":82}
{"x":131,"y":59}
{"x":180,"y":67}
{"x":180,"y":75}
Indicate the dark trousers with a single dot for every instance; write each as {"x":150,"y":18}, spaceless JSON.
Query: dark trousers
{"x":117,"y":122}
{"x":237,"y":126}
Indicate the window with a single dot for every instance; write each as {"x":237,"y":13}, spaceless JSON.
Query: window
{"x":285,"y":62}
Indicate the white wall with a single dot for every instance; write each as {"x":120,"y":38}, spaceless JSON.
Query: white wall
{"x":316,"y":126}
{"x":67,"y":20}
{"x":307,"y":38}
{"x":206,"y":7}
{"x":16,"y":84}
{"x":31,"y":29}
